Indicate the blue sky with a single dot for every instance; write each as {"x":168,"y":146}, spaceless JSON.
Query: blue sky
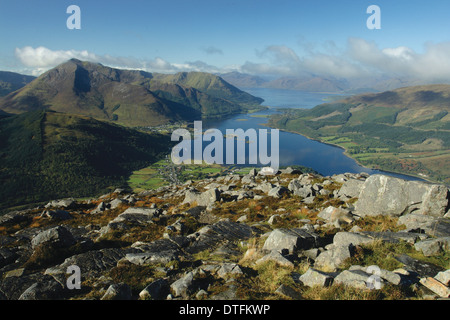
{"x":279,"y":38}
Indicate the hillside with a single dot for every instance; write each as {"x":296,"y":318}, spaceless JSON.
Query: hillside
{"x":11,"y":81}
{"x":292,"y":236}
{"x":47,"y":155}
{"x":406,"y":130}
{"x":128,"y":97}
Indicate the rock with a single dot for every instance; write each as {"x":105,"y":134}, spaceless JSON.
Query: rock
{"x":437,"y":287}
{"x":331,"y":259}
{"x":290,"y":170}
{"x":58,"y":236}
{"x":264,"y":186}
{"x":432,"y":247}
{"x":290,"y":240}
{"x":63,"y":203}
{"x":268,"y":171}
{"x":443,"y":277}
{"x":354,"y":278}
{"x":202,"y":198}
{"x":116,"y":203}
{"x":43,"y":290}
{"x":298,"y":189}
{"x":91,"y":263}
{"x":157,"y":290}
{"x":229,"y":269}
{"x":13,"y":218}
{"x":351,"y":188}
{"x":57,"y":215}
{"x":149,"y":258}
{"x":336,"y":216}
{"x":390,"y":276}
{"x":313,"y":277}
{"x":201,"y":294}
{"x":276,"y":257}
{"x":119,"y":291}
{"x":346,"y":238}
{"x":424,"y":269}
{"x":384,"y":195}
{"x":139,"y":215}
{"x":100,"y":208}
{"x":182,"y":286}
{"x":277,"y":192}
{"x":288,"y":292}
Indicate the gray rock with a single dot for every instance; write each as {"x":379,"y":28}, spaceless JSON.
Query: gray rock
{"x":354,"y":278}
{"x":424,"y":269}
{"x":387,"y":275}
{"x":301,"y":190}
{"x":229,"y":269}
{"x":384,"y":195}
{"x":277,"y":192}
{"x":148,"y":258}
{"x":313,"y":277}
{"x":57,"y":215}
{"x":43,"y":290}
{"x":351,"y":188}
{"x":336,"y":216}
{"x":346,"y":238}
{"x":431,"y":247}
{"x":276,"y":257}
{"x":264,"y":186}
{"x":182,"y":287}
{"x":331,"y":259}
{"x":157,"y":290}
{"x":120,"y":291}
{"x":289,"y":240}
{"x":288,"y":292}
{"x":202,"y":198}
{"x":58,"y":236}
{"x":63,"y":203}
{"x":91,"y":263}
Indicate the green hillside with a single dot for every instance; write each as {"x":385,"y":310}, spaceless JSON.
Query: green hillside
{"x":48,"y":155}
{"x":405,"y":130}
{"x":129,"y":97}
{"x":11,"y":81}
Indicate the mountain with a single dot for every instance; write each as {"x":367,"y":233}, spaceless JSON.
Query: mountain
{"x":128,"y":97}
{"x":406,"y":130}
{"x":315,"y":84}
{"x":45,"y":155}
{"x":10,"y":81}
{"x":242,"y":80}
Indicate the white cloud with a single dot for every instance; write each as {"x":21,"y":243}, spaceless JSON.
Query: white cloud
{"x":359,"y":59}
{"x":40,"y":59}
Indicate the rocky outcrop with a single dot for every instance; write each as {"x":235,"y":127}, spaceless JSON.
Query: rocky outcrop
{"x":219,"y":239}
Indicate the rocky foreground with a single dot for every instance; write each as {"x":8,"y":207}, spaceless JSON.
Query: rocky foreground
{"x":284,"y":236}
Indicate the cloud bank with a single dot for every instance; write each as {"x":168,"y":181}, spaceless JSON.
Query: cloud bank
{"x":359,"y":59}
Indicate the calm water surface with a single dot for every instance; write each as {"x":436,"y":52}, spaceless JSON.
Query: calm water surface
{"x":295,"y":149}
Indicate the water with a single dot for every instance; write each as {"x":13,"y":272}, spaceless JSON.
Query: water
{"x":295,"y":149}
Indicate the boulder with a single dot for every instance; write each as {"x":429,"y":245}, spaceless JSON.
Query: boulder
{"x":314,"y":277}
{"x":276,"y":257}
{"x":58,"y":236}
{"x":384,"y":195}
{"x":182,"y":287}
{"x":289,"y":240}
{"x":431,"y":247}
{"x":277,"y":192}
{"x":301,"y":190}
{"x":356,"y":279}
{"x":347,"y":238}
{"x":331,"y":259}
{"x":120,"y":291}
{"x":157,"y":290}
{"x":202,"y":198}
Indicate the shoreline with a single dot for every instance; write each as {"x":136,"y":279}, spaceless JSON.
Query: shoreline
{"x":348,"y":156}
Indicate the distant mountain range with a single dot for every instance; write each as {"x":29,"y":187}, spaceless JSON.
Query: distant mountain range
{"x":314,"y":83}
{"x":406,"y":130}
{"x":128,"y":97}
{"x":11,"y":81}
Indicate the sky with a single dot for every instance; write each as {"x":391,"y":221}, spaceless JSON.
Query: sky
{"x":274,"y":38}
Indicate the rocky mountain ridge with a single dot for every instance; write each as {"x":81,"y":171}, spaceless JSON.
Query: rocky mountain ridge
{"x":284,"y":236}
